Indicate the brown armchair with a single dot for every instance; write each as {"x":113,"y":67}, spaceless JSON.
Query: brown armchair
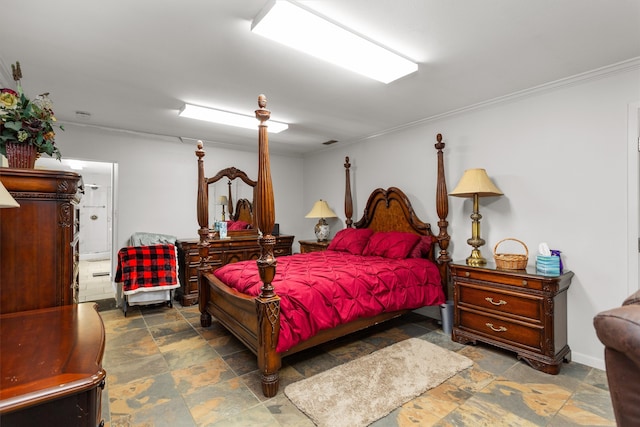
{"x":619,"y":331}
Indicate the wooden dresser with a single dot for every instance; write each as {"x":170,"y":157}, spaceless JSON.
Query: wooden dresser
{"x":221,"y":252}
{"x":517,"y":310}
{"x":51,"y":371}
{"x":39,"y":240}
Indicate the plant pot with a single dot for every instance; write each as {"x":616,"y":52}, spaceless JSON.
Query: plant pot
{"x":21,"y":155}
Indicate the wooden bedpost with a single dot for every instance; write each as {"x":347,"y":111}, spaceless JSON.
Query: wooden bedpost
{"x":202,"y":208}
{"x":267,"y":303}
{"x":348,"y":200}
{"x":229,"y":200}
{"x":442,"y":206}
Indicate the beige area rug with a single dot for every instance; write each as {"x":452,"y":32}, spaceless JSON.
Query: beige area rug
{"x":361,"y":391}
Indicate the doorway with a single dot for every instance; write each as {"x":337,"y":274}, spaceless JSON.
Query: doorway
{"x":96,"y":219}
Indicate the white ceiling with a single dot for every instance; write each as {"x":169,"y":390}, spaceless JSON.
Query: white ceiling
{"x":132,"y":64}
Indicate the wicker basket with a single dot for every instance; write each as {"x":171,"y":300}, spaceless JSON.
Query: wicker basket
{"x":511,"y":261}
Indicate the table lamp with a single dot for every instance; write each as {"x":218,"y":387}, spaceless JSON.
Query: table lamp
{"x":6,"y":199}
{"x":475,"y":183}
{"x":222,"y":200}
{"x":321,"y":210}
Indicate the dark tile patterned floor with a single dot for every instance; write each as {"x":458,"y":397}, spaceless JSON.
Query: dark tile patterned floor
{"x":163,"y":369}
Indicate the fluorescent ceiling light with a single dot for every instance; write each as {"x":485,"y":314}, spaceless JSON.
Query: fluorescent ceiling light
{"x":302,"y":29}
{"x":228,"y":118}
{"x":75,"y":164}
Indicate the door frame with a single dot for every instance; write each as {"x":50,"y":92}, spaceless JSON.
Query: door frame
{"x":633,"y":197}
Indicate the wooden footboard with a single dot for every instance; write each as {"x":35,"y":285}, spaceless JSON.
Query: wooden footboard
{"x":256,"y":321}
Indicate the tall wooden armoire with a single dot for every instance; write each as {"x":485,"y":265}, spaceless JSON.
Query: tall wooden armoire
{"x":39,"y":251}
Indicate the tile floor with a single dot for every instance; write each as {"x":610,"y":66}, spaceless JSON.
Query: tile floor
{"x":98,"y":287}
{"x":163,"y":369}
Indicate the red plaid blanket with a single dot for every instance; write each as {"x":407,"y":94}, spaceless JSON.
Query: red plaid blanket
{"x":142,"y":268}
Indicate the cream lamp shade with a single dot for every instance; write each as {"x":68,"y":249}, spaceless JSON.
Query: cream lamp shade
{"x":475,"y":183}
{"x":6,"y":199}
{"x":321,"y":210}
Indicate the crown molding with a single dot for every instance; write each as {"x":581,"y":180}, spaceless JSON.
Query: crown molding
{"x":596,"y":74}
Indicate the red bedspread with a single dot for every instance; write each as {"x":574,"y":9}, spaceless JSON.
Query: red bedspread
{"x":320,"y":290}
{"x":145,"y":268}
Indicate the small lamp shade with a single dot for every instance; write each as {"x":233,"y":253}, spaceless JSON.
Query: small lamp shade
{"x":321,"y":210}
{"x":475,"y":181}
{"x":6,"y":199}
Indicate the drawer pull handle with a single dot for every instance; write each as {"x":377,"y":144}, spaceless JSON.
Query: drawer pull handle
{"x":467,"y":274}
{"x":490,"y":300}
{"x":500,"y":329}
{"x":525,"y":283}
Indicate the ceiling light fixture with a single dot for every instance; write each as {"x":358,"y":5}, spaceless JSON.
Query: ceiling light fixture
{"x":295,"y":26}
{"x":228,"y":118}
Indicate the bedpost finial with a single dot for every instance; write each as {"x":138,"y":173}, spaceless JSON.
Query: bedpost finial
{"x":439,"y":145}
{"x":262,"y":113}
{"x":262,"y":101}
{"x":346,"y":162}
{"x":200,"y":150}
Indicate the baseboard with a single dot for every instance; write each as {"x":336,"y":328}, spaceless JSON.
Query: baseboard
{"x":584,"y":359}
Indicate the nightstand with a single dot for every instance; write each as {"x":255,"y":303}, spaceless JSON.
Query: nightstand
{"x":313,"y":246}
{"x":517,"y":310}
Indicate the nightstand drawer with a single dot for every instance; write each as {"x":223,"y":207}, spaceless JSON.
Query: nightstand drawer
{"x":527,"y":307}
{"x":514,"y":333}
{"x":307,"y":246}
{"x":505,"y":279}
{"x":282,"y":251}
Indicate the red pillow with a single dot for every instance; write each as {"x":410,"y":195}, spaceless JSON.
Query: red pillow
{"x":352,"y":240}
{"x":237,"y":225}
{"x":422,"y":248}
{"x":391,"y":244}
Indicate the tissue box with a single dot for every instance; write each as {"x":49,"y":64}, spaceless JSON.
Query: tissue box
{"x":548,"y":265}
{"x":221,"y":228}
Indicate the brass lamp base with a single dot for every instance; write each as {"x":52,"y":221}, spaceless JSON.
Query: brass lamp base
{"x":476,"y":259}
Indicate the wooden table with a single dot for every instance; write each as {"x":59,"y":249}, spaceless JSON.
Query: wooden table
{"x":51,"y":366}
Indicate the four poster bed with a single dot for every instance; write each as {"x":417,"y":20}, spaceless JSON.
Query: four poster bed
{"x":377,"y":268}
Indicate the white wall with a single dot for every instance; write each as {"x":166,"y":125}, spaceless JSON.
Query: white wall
{"x":560,"y":157}
{"x":157,"y":179}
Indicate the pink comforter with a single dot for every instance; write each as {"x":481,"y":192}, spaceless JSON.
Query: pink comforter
{"x":320,"y":290}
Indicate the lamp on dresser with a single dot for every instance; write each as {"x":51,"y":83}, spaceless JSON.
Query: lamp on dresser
{"x":321,"y":210}
{"x":475,"y":183}
{"x":6,"y":199}
{"x":222,"y":200}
